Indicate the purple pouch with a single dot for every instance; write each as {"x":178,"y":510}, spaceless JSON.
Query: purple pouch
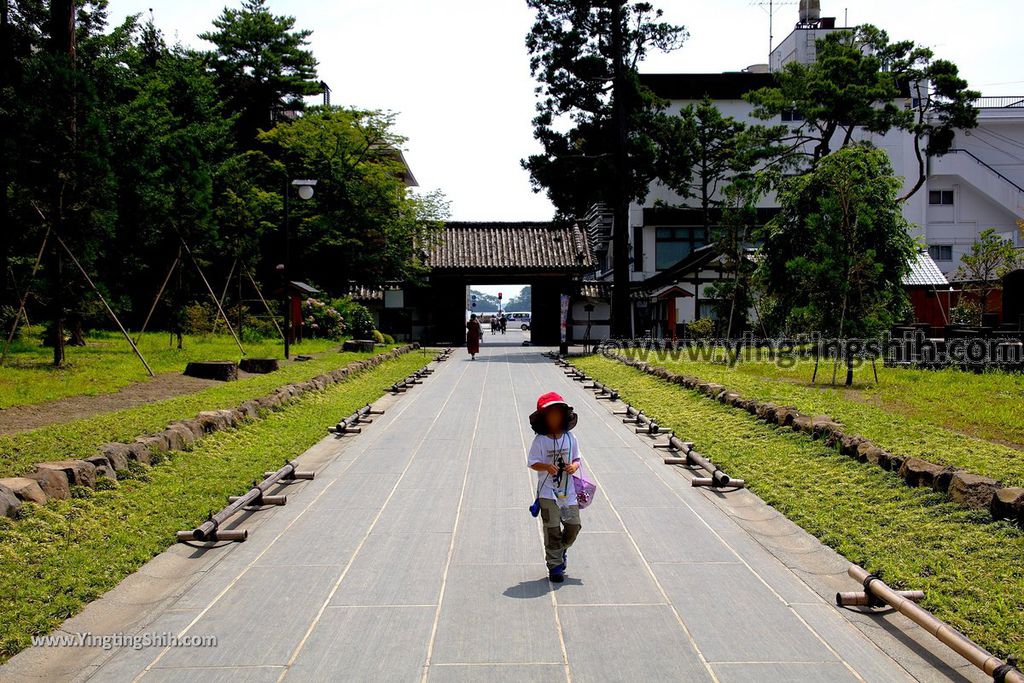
{"x":585,"y":489}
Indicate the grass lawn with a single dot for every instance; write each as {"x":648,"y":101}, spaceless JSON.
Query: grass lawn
{"x":19,"y":452}
{"x":107,"y":363}
{"x":57,"y":558}
{"x":969,"y":567}
{"x":973,"y":421}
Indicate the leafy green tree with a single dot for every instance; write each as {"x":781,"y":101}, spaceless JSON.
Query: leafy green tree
{"x":991,"y":257}
{"x":263,"y":66}
{"x":854,"y":83}
{"x":363,"y":224}
{"x":734,"y":235}
{"x":834,"y":259}
{"x":598,"y":126}
{"x":707,"y":150}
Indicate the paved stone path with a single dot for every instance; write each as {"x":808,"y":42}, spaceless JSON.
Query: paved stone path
{"x":412,"y":557}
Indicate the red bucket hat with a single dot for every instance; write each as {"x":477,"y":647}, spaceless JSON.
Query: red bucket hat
{"x":549,"y":400}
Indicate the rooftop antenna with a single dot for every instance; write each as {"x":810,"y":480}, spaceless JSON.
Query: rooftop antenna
{"x":770,"y":6}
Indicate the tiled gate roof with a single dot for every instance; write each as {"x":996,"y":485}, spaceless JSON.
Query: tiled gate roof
{"x":524,"y":246}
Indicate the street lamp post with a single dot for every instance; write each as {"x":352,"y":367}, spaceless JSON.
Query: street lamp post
{"x":305,"y":190}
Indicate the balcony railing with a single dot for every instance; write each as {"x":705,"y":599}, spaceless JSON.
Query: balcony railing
{"x":1005,"y":102}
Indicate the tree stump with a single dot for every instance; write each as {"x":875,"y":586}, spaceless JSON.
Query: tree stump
{"x":364,"y":345}
{"x":258,"y":366}
{"x":222,"y":370}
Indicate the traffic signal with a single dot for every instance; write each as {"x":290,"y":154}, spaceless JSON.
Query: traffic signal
{"x":499,"y":296}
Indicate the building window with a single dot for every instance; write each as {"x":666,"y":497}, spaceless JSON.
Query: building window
{"x":940,"y":197}
{"x":638,"y":248}
{"x":672,"y":245}
{"x":941,"y":252}
{"x":792,"y":115}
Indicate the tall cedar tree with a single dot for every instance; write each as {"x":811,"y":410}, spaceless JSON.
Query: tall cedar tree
{"x":855,"y":82}
{"x":263,"y":67}
{"x":585,"y":53}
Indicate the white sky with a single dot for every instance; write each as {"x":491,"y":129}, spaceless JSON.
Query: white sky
{"x":458,"y":73}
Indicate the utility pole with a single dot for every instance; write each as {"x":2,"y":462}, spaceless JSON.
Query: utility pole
{"x":621,"y":313}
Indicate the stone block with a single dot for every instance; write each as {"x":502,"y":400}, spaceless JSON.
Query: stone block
{"x":103,"y":466}
{"x":918,"y":472}
{"x":54,"y":483}
{"x":25,"y":488}
{"x":972,"y":490}
{"x":212,"y":421}
{"x":140,"y":452}
{"x":175,"y":441}
{"x":185,"y":437}
{"x":154,"y":443}
{"x":850,"y":445}
{"x":825,"y":427}
{"x":1008,"y":503}
{"x":9,"y":503}
{"x":117,"y":454}
{"x":77,"y":472}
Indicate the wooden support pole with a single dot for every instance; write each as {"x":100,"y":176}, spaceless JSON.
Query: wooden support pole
{"x":110,"y":311}
{"x":273,"y":318}
{"x":212,"y":295}
{"x":24,"y":297}
{"x":224,"y":294}
{"x":159,"y":295}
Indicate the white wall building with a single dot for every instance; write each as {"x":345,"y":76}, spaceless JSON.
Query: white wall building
{"x":978,"y":185}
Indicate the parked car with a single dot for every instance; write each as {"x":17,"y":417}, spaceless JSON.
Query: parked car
{"x":520,"y":320}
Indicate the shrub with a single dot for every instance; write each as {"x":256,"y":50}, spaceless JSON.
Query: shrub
{"x":388,"y":339}
{"x":360,"y":320}
{"x":378,"y":336}
{"x":702,"y":328}
{"x":966,"y":312}
{"x":322,"y":320}
{"x":197,"y":318}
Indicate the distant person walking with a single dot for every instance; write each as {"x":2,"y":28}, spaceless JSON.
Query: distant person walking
{"x":473,"y":334}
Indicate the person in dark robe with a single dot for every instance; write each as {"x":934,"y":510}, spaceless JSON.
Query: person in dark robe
{"x":473,"y":334}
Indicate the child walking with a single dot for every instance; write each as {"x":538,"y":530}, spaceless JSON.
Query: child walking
{"x":555,"y":456}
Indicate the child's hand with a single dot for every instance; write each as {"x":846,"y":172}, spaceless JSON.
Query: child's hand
{"x":572,"y":467}
{"x":552,"y":470}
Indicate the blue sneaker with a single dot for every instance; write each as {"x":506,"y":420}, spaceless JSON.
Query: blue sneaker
{"x":556,"y":574}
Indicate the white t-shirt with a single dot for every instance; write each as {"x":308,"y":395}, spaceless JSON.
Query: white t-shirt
{"x":564,"y":449}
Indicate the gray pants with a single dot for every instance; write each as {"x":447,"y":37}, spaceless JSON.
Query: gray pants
{"x":558,"y":535}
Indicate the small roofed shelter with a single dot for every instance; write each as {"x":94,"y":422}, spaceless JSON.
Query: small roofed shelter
{"x":297,"y":293}
{"x":930,"y":294}
{"x":551,"y":258}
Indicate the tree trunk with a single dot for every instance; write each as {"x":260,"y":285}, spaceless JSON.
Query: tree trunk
{"x":57,"y":305}
{"x":849,"y":370}
{"x":77,"y":333}
{"x":621,"y":310}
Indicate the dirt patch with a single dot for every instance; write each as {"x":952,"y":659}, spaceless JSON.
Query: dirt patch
{"x":26,"y":418}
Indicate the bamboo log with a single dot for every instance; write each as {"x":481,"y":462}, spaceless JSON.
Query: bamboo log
{"x":944,"y":633}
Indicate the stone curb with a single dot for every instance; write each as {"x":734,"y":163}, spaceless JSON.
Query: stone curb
{"x":53,"y":480}
{"x":965,"y":488}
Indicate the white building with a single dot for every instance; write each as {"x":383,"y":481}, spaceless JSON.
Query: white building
{"x":978,"y":185}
